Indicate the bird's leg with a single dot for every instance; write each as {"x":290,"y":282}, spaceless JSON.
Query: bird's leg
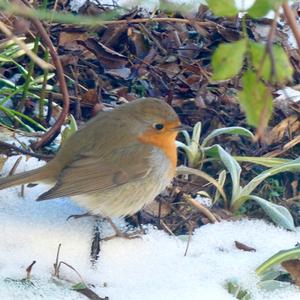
{"x":119,"y":233}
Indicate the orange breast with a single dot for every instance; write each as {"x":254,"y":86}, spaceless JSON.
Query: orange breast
{"x":164,"y":140}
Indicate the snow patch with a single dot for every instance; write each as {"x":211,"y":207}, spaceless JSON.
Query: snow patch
{"x":151,"y":268}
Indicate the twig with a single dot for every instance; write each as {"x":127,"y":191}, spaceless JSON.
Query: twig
{"x":268,"y":48}
{"x":189,"y":241}
{"x":153,"y":38}
{"x":26,"y":152}
{"x":28,"y":270}
{"x":268,"y":52}
{"x":167,"y":228}
{"x":201,"y":208}
{"x":23,"y":46}
{"x":291,"y":20}
{"x":72,"y":268}
{"x":56,"y":264}
{"x":13,"y":169}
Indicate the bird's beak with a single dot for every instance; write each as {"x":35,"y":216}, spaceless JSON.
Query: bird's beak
{"x":182,"y":127}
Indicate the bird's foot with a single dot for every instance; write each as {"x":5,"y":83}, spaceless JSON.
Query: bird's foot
{"x":80,"y":216}
{"x":125,"y":235}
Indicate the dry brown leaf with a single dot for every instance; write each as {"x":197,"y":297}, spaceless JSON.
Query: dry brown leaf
{"x":91,"y":9}
{"x":287,"y":126}
{"x":2,"y":162}
{"x":153,"y":209}
{"x":69,"y":59}
{"x":244,"y":247}
{"x":109,"y":58}
{"x":122,"y":73}
{"x":293,"y":267}
{"x":91,"y":97}
{"x":137,"y":42}
{"x":113,"y":34}
{"x":69,"y":39}
{"x":21,"y":26}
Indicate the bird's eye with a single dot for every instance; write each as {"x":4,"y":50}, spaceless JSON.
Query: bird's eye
{"x":158,"y":126}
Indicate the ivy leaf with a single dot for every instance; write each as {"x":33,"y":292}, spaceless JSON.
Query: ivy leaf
{"x":261,"y":7}
{"x":222,"y":8}
{"x":283,"y":68}
{"x":257,"y":51}
{"x":256,"y":99}
{"x":228,"y":59}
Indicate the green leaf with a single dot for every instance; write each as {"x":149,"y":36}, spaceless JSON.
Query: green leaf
{"x":261,"y":7}
{"x":79,"y":286}
{"x":40,"y":79}
{"x":257,"y":51}
{"x":221,"y":180}
{"x":278,"y":258}
{"x":255,"y":99}
{"x":271,"y":274}
{"x":228,"y":59}
{"x":183,"y":170}
{"x":192,"y":147}
{"x":233,"y":167}
{"x":7,"y":83}
{"x":222,"y":8}
{"x":291,"y":166}
{"x":186,"y":136}
{"x":235,"y":288}
{"x":283,"y":70}
{"x":278,"y":214}
{"x":268,"y":162}
{"x":4,"y":58}
{"x":227,"y":130}
{"x":70,"y":129}
{"x":273,"y":285}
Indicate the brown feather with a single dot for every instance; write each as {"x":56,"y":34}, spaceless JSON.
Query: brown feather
{"x":87,"y":174}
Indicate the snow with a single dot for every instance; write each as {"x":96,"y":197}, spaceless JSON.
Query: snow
{"x":152,"y":4}
{"x":288,"y":93}
{"x":150,"y":268}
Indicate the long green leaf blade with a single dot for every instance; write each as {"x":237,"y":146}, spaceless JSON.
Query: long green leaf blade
{"x":278,"y":214}
{"x":227,"y":130}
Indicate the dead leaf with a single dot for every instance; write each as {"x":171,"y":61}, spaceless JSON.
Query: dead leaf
{"x":89,"y":293}
{"x":91,"y":9}
{"x":21,"y":26}
{"x":244,"y":247}
{"x":109,"y":58}
{"x":2,"y":162}
{"x":91,"y":96}
{"x":122,"y":73}
{"x":285,"y":127}
{"x":137,"y":43}
{"x":155,"y":207}
{"x":68,"y":40}
{"x":293,"y":267}
{"x":69,"y":59}
{"x":112,"y":35}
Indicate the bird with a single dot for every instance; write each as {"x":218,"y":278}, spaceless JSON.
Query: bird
{"x":115,"y":164}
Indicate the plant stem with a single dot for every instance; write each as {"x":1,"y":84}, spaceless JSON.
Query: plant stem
{"x":291,"y":20}
{"x":43,"y":92}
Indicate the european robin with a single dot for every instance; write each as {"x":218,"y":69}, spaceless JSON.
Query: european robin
{"x":115,"y":164}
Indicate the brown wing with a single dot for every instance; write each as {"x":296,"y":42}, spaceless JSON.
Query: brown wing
{"x":88,"y":174}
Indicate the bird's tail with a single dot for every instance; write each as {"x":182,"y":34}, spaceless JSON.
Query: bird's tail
{"x":32,"y":176}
